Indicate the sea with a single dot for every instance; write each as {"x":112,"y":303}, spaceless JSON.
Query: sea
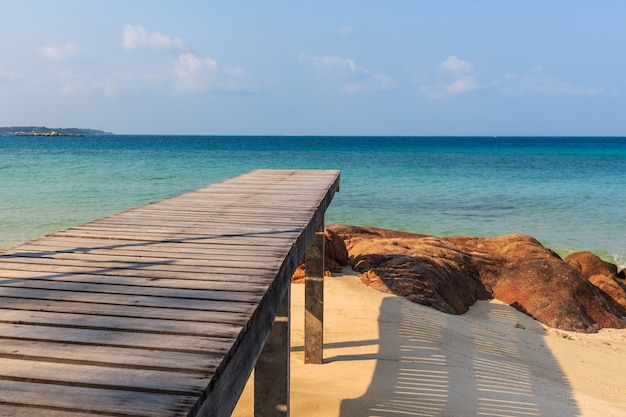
{"x":567,"y":192}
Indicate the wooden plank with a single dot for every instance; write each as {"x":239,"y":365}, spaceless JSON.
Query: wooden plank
{"x":222,"y":275}
{"x":31,"y":410}
{"x":56,"y":306}
{"x":88,"y":244}
{"x":141,"y":269}
{"x":121,"y":324}
{"x":229,"y":291}
{"x":270,"y":263}
{"x":227,"y":283}
{"x":122,"y":379}
{"x":147,"y":238}
{"x":98,"y":337}
{"x":137,"y":300}
{"x":118,"y":357}
{"x":26,"y":396}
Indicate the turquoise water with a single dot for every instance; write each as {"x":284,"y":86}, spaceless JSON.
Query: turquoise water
{"x":567,"y":192}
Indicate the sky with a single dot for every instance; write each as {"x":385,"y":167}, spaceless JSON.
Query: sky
{"x":406,"y":68}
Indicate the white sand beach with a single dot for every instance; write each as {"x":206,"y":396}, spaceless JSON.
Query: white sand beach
{"x":386,"y":356}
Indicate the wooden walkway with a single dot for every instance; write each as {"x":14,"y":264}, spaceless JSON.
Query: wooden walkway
{"x":161,"y":310}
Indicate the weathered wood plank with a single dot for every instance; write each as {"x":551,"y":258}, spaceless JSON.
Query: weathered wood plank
{"x":239,"y":275}
{"x":117,"y":357}
{"x":229,"y":291}
{"x":270,"y":263}
{"x":122,"y":379}
{"x":122,"y":324}
{"x":136,"y":300}
{"x":141,"y":269}
{"x":147,"y":238}
{"x":53,"y":245}
{"x":26,"y":396}
{"x":96,"y":337}
{"x":227,"y":283}
{"x":57,"y":306}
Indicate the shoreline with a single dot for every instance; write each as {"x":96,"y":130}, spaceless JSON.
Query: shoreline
{"x":387,"y":356}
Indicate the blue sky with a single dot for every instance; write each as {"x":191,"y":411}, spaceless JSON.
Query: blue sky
{"x":316,"y":68}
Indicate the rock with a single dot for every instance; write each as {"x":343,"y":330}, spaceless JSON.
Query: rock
{"x":445,"y":280}
{"x":335,"y":257}
{"x":589,"y":264}
{"x":450,"y":274}
{"x":555,"y":294}
{"x":335,"y":252}
{"x":613,"y":289}
{"x":602,"y":274}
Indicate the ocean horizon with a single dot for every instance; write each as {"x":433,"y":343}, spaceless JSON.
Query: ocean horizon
{"x":567,"y":192}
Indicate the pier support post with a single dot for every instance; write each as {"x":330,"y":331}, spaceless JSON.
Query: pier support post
{"x":314,"y":299}
{"x":271,"y":373}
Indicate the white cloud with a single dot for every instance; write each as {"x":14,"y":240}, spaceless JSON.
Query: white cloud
{"x":455,"y":76}
{"x":58,"y":52}
{"x":354,"y":79}
{"x":514,"y":83}
{"x":463,"y":85}
{"x":196,"y":74}
{"x":136,"y":36}
{"x":456,"y":65}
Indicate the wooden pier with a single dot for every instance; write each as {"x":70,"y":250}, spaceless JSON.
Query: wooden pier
{"x":162,"y":310}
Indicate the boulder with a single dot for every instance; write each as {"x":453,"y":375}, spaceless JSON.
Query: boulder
{"x":450,"y":274}
{"x":589,"y":264}
{"x":428,"y":271}
{"x":335,"y":257}
{"x":335,"y":252}
{"x":613,"y":289}
{"x":602,"y":274}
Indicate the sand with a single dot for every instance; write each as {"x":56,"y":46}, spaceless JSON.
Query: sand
{"x":386,"y":356}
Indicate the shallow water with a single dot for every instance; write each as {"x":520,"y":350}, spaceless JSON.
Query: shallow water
{"x":566,"y":192}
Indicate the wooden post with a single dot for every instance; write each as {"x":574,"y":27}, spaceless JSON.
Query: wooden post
{"x":271,"y":373}
{"x":314,"y":299}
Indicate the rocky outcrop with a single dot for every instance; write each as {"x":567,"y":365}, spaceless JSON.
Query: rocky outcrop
{"x":589,"y":264}
{"x":335,"y":256}
{"x":428,"y":271}
{"x":602,"y":274}
{"x":450,"y":274}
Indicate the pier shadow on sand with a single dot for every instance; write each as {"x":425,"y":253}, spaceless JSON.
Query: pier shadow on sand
{"x":434,"y":364}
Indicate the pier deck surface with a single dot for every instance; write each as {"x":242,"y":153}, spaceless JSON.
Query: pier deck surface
{"x":160,"y":310}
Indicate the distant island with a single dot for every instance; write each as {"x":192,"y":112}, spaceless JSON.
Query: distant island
{"x":45,"y":131}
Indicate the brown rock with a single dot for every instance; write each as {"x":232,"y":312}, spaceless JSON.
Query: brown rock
{"x":589,"y":264}
{"x":554,"y":294}
{"x":430,"y":272}
{"x":335,"y":257}
{"x":335,"y":252}
{"x":602,"y":274}
{"x":613,"y":289}
{"x":450,"y":274}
